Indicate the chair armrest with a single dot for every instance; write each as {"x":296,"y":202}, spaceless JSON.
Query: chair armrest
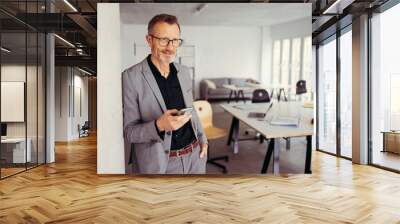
{"x":206,"y":84}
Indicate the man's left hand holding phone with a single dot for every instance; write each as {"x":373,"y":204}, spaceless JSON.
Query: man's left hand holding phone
{"x":173,"y":119}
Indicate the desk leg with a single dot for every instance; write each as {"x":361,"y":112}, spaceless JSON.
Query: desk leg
{"x":268,"y":155}
{"x":230,"y":96}
{"x":308,"y":155}
{"x":242,"y":96}
{"x":236,"y":96}
{"x":236,"y":138}
{"x":277,"y":149}
{"x":235,"y":122}
{"x":287,"y":143}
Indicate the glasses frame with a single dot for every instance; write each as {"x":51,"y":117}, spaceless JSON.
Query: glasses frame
{"x":159,"y":39}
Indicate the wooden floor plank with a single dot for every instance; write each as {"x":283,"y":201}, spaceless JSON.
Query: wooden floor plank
{"x":70,"y":191}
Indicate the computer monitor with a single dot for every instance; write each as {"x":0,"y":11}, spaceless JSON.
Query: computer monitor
{"x":3,"y":129}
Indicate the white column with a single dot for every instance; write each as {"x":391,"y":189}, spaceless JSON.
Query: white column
{"x":110,"y":144}
{"x":360,"y":90}
{"x":50,"y":99}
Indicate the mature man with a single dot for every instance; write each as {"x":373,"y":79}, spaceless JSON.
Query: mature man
{"x":157,"y":139}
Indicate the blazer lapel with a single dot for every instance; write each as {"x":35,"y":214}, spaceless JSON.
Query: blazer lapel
{"x":184,"y":87}
{"x":148,"y":75}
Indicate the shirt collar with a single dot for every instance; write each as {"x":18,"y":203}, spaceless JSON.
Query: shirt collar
{"x":154,"y":69}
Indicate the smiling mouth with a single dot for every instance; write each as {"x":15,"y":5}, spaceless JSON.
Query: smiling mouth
{"x":168,"y":54}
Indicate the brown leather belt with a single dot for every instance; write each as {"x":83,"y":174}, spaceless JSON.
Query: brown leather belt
{"x":185,"y":150}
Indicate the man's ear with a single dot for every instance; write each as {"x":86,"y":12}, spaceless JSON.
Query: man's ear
{"x":148,"y":40}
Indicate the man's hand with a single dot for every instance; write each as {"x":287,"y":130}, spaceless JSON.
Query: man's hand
{"x":203,"y":150}
{"x":170,"y":122}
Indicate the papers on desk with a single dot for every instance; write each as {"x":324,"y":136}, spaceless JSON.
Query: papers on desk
{"x":285,"y":121}
{"x":308,"y":105}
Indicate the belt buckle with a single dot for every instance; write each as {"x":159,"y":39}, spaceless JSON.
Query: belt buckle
{"x":178,"y":152}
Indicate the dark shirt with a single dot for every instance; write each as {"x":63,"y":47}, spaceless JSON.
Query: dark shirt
{"x":172,"y":94}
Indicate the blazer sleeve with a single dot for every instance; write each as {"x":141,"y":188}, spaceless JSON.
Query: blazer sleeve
{"x":200,"y":132}
{"x":135,"y":130}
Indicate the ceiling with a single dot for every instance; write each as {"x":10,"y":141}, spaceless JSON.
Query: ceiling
{"x":79,"y":27}
{"x":218,"y":14}
{"x":23,"y":47}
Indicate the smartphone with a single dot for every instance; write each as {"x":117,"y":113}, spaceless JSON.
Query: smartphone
{"x":187,"y":111}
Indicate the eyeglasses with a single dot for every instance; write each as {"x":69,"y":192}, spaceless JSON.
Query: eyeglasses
{"x":165,"y":41}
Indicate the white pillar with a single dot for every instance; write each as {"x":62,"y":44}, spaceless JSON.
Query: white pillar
{"x":110,"y":143}
{"x":360,"y":90}
{"x":50,"y":99}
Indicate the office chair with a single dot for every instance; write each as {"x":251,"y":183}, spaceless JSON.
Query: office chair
{"x":301,"y":88}
{"x":204,"y":110}
{"x":84,"y":130}
{"x":260,"y":96}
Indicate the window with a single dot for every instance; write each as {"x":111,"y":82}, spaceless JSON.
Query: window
{"x":291,"y":62}
{"x":276,"y":72}
{"x":327,"y":96}
{"x":284,"y":77}
{"x":295,"y":62}
{"x":385,"y":87}
{"x":22,"y":65}
{"x":307,"y":63}
{"x":346,"y":94}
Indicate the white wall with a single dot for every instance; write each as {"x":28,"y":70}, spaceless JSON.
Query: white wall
{"x":79,"y":117}
{"x":220,"y":51}
{"x":67,"y":80}
{"x":298,"y":28}
{"x":16,"y":72}
{"x":33,"y":127}
{"x":266,"y":55}
{"x":61,"y":103}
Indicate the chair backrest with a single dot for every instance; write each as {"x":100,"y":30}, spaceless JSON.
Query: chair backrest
{"x":86,"y":125}
{"x":260,"y":96}
{"x":301,"y":87}
{"x":204,"y":110}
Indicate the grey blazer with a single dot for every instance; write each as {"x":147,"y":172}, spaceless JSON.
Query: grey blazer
{"x":145,"y":151}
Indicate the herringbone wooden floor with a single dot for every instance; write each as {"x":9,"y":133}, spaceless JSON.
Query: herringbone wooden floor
{"x":70,"y":191}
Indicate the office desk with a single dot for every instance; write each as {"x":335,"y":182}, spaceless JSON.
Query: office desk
{"x":272,"y":132}
{"x":17,"y":150}
{"x":391,"y":141}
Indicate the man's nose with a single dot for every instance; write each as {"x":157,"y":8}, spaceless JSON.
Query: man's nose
{"x":170,"y":46}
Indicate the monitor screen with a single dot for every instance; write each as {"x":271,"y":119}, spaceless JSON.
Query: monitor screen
{"x":3,"y":129}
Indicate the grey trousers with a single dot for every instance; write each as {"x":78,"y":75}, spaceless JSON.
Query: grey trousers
{"x":190,"y":163}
